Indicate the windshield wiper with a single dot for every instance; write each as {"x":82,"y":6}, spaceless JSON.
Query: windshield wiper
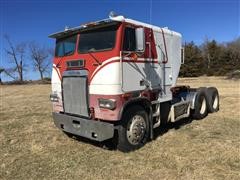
{"x":61,"y":57}
{"x":99,"y":63}
{"x":68,"y":53}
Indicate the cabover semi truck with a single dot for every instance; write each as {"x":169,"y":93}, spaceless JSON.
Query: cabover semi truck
{"x":116,"y":78}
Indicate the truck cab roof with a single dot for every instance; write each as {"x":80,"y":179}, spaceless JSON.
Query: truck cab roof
{"x":106,"y":22}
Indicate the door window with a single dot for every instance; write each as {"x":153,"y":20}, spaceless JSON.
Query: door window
{"x":129,"y":43}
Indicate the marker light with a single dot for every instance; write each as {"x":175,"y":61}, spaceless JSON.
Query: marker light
{"x":54,"y":97}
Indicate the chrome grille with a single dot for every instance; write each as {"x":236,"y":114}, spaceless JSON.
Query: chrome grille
{"x":75,"y":95}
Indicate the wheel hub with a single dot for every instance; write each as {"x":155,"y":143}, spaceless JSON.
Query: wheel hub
{"x":203,"y":106}
{"x":215,"y":102}
{"x":136,"y":129}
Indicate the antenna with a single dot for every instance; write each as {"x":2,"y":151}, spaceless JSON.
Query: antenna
{"x":112,"y":14}
{"x":66,"y":28}
{"x":115,"y":17}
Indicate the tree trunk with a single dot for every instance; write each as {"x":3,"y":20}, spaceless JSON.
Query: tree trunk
{"x":21,"y":72}
{"x":41,"y":74}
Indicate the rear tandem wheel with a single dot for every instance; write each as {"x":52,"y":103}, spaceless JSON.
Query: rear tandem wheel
{"x":213,"y":99}
{"x":200,"y":110}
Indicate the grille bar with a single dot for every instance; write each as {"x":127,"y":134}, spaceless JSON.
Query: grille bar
{"x":75,"y":95}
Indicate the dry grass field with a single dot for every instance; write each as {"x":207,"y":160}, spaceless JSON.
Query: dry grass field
{"x":32,"y":148}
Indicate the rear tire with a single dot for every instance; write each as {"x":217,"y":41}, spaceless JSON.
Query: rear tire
{"x":133,"y":132}
{"x":200,"y":110}
{"x":213,"y":99}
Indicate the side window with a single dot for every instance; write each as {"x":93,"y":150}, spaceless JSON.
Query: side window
{"x":129,"y":43}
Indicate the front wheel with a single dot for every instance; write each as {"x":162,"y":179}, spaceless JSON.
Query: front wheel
{"x":133,"y":131}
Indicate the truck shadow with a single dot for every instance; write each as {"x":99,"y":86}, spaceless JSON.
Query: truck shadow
{"x":175,"y":125}
{"x":108,"y":144}
{"x":112,"y":145}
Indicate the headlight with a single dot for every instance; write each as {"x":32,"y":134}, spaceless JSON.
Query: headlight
{"x":54,"y":97}
{"x":107,"y":103}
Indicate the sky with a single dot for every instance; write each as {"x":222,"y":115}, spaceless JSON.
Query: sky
{"x":196,"y":20}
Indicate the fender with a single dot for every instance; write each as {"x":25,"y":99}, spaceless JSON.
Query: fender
{"x":145,"y":103}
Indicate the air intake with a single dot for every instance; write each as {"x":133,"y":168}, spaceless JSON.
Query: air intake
{"x":76,"y":63}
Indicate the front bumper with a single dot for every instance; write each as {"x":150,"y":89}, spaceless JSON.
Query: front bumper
{"x":95,"y":130}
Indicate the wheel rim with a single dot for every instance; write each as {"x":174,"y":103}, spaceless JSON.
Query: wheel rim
{"x":215,"y":102}
{"x":136,"y":130}
{"x":203,"y":106}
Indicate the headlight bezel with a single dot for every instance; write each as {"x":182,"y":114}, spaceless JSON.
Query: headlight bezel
{"x":107,"y":103}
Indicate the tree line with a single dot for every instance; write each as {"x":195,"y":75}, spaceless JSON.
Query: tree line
{"x":26,"y":55}
{"x":211,"y":58}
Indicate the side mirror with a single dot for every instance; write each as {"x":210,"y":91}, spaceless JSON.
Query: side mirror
{"x":140,"y":39}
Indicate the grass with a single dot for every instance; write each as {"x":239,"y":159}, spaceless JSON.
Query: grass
{"x":32,"y":148}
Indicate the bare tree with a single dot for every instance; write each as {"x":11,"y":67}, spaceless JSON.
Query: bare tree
{"x":16,"y":54}
{"x":1,"y":70}
{"x":40,"y":57}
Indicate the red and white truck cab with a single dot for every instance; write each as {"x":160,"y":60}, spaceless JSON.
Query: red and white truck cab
{"x":117,"y":78}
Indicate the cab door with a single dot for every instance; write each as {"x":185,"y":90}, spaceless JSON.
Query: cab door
{"x":132,"y":65}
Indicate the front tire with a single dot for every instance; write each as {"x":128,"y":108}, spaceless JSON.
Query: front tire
{"x":133,"y":131}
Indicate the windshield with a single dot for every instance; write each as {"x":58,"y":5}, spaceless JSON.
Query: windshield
{"x":100,"y":39}
{"x":65,"y":46}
